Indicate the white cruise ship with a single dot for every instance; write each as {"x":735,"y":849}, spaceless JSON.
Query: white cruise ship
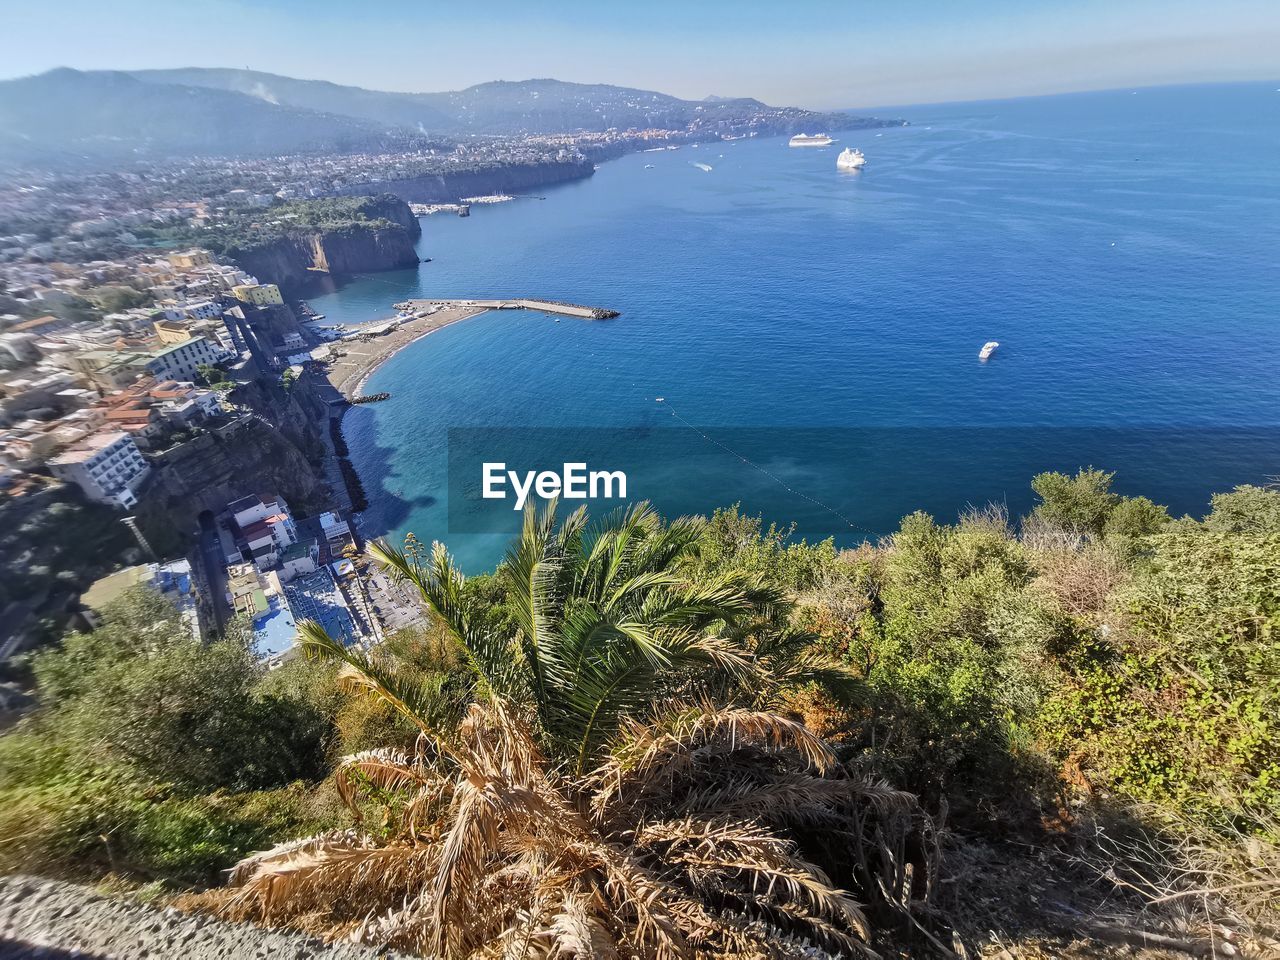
{"x":810,"y":140}
{"x":850,"y":158}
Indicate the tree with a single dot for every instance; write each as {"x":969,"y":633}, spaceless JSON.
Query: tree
{"x":1080,"y":504}
{"x":210,"y":375}
{"x":114,"y":299}
{"x":142,"y":692}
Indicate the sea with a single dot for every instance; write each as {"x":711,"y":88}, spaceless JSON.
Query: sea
{"x":803,"y":342}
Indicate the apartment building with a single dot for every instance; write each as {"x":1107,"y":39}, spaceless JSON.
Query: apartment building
{"x":259,"y":294}
{"x":181,"y":361}
{"x":106,"y":465}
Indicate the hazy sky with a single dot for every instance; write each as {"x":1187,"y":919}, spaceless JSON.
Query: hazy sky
{"x":814,"y":53}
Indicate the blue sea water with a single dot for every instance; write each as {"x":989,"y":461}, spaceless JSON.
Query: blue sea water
{"x":1123,"y":248}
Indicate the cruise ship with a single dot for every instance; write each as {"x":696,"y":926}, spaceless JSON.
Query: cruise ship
{"x":850,"y":158}
{"x":808,"y":140}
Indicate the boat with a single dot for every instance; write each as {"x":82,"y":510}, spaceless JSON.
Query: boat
{"x":850,"y":158}
{"x":705,"y":167}
{"x":648,"y":166}
{"x":988,"y":349}
{"x":810,"y":140}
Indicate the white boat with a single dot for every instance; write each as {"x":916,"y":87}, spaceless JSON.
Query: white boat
{"x":988,"y":349}
{"x":705,"y":167}
{"x":810,"y":140}
{"x":850,"y":158}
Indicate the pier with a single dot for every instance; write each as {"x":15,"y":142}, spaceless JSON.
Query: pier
{"x":542,"y":306}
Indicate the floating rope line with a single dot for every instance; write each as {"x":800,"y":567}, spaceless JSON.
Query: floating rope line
{"x":768,"y":473}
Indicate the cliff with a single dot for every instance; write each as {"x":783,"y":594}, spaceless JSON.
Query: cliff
{"x":380,"y":237}
{"x":246,"y":455}
{"x":297,"y":411}
{"x":453,"y":186}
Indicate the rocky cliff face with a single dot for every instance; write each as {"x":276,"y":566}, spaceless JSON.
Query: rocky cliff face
{"x":451,"y":187}
{"x":385,"y":242}
{"x":233,"y":460}
{"x":297,"y":411}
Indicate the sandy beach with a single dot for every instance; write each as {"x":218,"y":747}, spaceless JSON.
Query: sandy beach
{"x":349,"y":372}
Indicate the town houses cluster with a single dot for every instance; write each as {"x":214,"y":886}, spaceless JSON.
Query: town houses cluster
{"x":107,"y":367}
{"x":84,"y":395}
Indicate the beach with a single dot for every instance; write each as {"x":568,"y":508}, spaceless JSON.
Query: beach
{"x":349,"y":372}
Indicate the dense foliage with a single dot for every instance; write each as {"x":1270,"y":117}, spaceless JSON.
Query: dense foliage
{"x":1029,"y":679}
{"x":154,"y":753}
{"x":241,"y":230}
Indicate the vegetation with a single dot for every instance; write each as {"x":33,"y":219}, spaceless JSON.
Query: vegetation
{"x":53,"y":544}
{"x":608,"y":775}
{"x":668,"y":738}
{"x":158,"y":756}
{"x":239,"y":231}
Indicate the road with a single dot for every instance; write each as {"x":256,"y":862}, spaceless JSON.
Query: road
{"x":215,"y":572}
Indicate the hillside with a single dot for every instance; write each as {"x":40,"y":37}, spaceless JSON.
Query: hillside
{"x":68,"y":115}
{"x":501,"y":107}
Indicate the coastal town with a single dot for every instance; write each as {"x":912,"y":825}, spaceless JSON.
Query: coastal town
{"x":112,"y":406}
{"x":163,"y":379}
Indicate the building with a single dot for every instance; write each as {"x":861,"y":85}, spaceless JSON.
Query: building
{"x":41,"y":326}
{"x":145,"y":407}
{"x":205,"y":309}
{"x":190,"y":259}
{"x":106,"y":465}
{"x":182,"y":361}
{"x":259,"y":294}
{"x":266,"y":528}
{"x":299,"y":559}
{"x":261,"y":598}
{"x":336,"y":532}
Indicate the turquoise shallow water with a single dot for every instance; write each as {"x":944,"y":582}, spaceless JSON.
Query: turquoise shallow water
{"x":1122,"y":247}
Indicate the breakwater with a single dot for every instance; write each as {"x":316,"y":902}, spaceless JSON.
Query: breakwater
{"x":518,"y":303}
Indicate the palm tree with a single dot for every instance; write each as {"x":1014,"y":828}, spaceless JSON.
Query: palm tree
{"x":613,"y":787}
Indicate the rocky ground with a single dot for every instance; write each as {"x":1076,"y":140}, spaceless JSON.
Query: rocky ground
{"x":50,"y":919}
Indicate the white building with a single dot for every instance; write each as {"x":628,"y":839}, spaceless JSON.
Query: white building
{"x":193,"y":310}
{"x":336,"y":532}
{"x":106,"y":466}
{"x":182,"y":360}
{"x":299,"y":559}
{"x":266,"y":527}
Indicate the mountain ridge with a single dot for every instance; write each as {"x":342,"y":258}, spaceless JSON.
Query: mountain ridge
{"x":72,"y":116}
{"x":495,"y":107}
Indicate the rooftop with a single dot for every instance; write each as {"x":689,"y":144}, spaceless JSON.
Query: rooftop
{"x":177,"y":346}
{"x":90,"y":447}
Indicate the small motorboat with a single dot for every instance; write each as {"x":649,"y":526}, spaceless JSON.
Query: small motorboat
{"x":988,"y":349}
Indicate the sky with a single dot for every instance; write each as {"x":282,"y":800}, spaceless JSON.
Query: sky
{"x":811,"y":53}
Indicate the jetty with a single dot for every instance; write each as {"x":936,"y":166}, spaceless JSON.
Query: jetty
{"x":542,"y":306}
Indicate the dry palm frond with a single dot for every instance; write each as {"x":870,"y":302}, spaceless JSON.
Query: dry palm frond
{"x":304,"y":846}
{"x":767,"y":865}
{"x":385,"y":769}
{"x":346,"y":883}
{"x":646,"y":753}
{"x":502,"y":860}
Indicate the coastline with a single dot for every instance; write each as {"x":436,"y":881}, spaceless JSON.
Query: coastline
{"x":349,"y":374}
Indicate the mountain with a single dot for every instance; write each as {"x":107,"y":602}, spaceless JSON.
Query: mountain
{"x":68,"y":115}
{"x":410,"y":110}
{"x":497,"y":108}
